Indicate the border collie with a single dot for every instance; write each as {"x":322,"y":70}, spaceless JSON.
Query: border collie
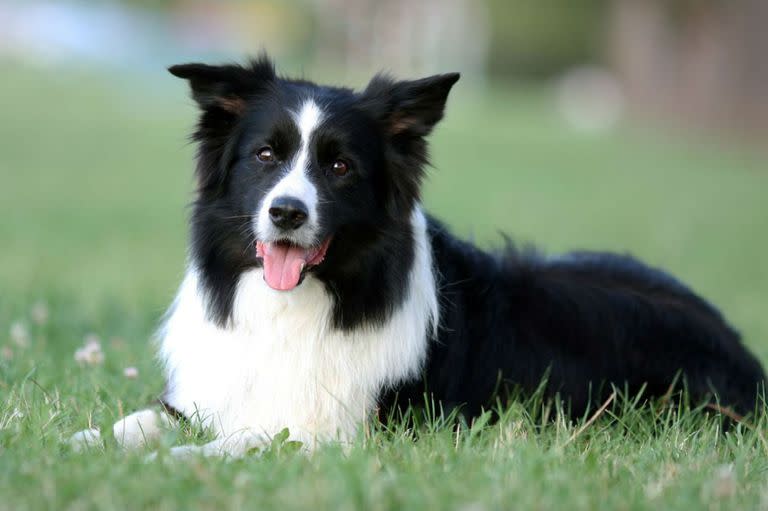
{"x":318,"y":292}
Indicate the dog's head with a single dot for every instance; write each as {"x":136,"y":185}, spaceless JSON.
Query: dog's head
{"x":291,"y":174}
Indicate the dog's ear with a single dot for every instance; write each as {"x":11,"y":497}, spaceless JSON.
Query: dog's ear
{"x":226,"y":87}
{"x":222,"y":93}
{"x":406,"y":111}
{"x":410,"y":107}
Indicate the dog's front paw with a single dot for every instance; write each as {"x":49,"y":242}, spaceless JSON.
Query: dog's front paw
{"x":140,"y":428}
{"x":181,"y":452}
{"x":85,"y":439}
{"x":233,"y":446}
{"x":185,"y":452}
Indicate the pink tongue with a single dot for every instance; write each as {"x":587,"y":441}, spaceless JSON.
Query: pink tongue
{"x":283,"y":265}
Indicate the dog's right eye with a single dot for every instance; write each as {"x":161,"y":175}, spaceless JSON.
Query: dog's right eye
{"x":265,"y":155}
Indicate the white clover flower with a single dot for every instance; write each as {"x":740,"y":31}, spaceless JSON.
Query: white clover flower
{"x":19,"y":334}
{"x":131,"y":372}
{"x":92,"y":341}
{"x":40,"y":313}
{"x":90,"y":353}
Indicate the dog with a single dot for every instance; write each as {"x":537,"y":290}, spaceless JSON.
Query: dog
{"x":319,"y":293}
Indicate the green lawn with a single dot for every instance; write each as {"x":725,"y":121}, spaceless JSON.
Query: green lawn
{"x":95,"y":174}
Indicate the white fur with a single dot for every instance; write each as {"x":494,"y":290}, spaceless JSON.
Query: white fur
{"x":85,"y":439}
{"x":141,"y":427}
{"x":295,"y":183}
{"x":281,"y":364}
{"x":135,"y":430}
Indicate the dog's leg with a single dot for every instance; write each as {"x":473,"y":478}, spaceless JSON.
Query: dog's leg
{"x":135,"y":430}
{"x":141,"y":428}
{"x":236,"y":445}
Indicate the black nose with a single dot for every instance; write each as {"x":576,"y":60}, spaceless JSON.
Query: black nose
{"x":288,"y":213}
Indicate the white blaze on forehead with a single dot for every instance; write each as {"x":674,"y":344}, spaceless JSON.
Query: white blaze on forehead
{"x":307,"y":120}
{"x":296,"y":182}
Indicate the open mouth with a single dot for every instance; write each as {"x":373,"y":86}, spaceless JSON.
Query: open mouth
{"x":285,"y":263}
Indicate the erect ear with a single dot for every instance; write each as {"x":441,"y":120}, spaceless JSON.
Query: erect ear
{"x":222,"y":92}
{"x":226,"y":87}
{"x":410,"y":107}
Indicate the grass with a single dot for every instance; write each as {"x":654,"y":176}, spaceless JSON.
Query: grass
{"x":95,"y":173}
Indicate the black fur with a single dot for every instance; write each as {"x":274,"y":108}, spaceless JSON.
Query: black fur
{"x":582,"y":320}
{"x":380,"y":130}
{"x":509,"y":318}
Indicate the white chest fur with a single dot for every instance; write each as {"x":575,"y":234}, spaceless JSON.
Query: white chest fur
{"x":281,"y":364}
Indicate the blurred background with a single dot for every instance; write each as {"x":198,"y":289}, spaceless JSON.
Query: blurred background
{"x":631,"y":125}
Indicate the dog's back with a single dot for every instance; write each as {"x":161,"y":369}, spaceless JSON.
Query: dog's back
{"x":583,"y":321}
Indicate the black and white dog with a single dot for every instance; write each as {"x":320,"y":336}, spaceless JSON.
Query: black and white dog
{"x":319,"y":292}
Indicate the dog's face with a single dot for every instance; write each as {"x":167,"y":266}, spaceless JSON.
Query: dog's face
{"x":295,"y":176}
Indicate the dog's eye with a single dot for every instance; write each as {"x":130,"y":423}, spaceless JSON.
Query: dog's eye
{"x":265,"y":155}
{"x":340,"y":168}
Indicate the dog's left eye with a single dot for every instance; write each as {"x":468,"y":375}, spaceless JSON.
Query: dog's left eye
{"x":340,"y":168}
{"x":265,"y":155}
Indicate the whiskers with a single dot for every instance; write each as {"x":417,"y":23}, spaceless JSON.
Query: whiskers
{"x":246,"y":230}
{"x":251,"y":216}
{"x":250,"y":236}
